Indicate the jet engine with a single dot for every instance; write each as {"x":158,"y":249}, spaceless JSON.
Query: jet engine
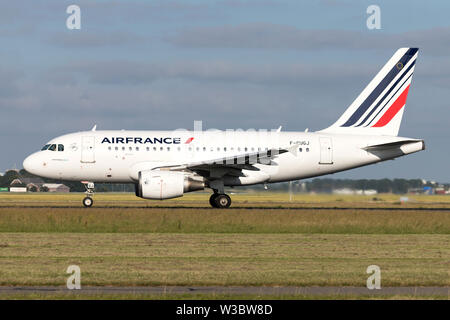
{"x":159,"y":185}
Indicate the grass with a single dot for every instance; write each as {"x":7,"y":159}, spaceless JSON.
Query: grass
{"x":223,"y":259}
{"x":207,"y":220}
{"x":256,"y":199}
{"x":126,"y":241}
{"x":213,"y":296}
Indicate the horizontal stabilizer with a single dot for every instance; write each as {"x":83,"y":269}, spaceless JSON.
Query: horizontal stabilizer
{"x":393,"y":145}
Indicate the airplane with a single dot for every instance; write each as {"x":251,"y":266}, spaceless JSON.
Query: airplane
{"x":167,"y":164}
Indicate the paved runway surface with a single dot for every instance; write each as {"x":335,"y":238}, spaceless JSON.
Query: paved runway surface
{"x":413,"y":291}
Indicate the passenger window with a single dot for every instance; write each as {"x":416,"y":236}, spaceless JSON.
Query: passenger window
{"x":45,"y":147}
{"x":60,"y":147}
{"x":52,"y":147}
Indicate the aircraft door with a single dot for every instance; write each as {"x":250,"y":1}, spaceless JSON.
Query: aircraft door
{"x":88,"y":149}
{"x":326,"y":150}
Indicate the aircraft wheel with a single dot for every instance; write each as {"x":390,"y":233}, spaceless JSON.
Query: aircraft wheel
{"x":212,"y":200}
{"x":222,"y":201}
{"x":88,"y":202}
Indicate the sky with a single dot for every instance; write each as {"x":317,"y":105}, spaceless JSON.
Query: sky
{"x":163,"y":64}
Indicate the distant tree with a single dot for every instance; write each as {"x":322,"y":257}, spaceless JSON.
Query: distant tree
{"x":26,"y":174}
{"x":8,"y":178}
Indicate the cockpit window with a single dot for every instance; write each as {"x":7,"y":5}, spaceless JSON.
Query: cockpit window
{"x":45,"y":147}
{"x":52,"y":147}
{"x":60,"y":147}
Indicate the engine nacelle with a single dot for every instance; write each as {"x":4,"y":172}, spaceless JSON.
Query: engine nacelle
{"x":159,"y":185}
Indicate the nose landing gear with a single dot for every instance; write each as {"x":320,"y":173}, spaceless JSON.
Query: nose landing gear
{"x":87,"y":201}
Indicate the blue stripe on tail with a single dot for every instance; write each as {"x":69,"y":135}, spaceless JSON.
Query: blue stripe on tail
{"x":380,"y":88}
{"x":387,"y":93}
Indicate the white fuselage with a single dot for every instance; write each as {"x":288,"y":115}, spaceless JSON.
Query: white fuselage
{"x":119,"y":156}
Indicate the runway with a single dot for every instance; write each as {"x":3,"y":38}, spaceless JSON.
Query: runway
{"x":211,"y":290}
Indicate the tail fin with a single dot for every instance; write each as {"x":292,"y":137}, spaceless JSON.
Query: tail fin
{"x":378,"y":110}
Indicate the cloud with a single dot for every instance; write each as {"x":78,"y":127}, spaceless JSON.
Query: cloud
{"x":130,"y":72}
{"x":275,"y":36}
{"x":90,"y":39}
{"x":305,"y":75}
{"x":8,"y":81}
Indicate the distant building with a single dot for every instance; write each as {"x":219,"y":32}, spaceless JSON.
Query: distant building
{"x":56,"y":187}
{"x":344,"y":191}
{"x":29,"y":183}
{"x":369,"y":192}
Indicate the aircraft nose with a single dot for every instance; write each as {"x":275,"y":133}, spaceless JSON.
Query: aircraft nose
{"x":30,"y":164}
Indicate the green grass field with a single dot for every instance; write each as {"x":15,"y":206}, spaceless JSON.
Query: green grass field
{"x":239,"y":199}
{"x":125,"y":241}
{"x":224,"y":259}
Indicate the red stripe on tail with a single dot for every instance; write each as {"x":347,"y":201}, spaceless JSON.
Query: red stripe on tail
{"x":393,"y":110}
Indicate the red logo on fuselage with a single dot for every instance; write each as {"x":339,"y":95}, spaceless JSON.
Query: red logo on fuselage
{"x":189,"y":140}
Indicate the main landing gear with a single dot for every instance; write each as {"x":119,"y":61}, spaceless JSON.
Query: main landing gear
{"x":220,"y":200}
{"x":87,"y":201}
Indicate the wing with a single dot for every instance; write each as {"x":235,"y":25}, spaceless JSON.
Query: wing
{"x":232,"y":165}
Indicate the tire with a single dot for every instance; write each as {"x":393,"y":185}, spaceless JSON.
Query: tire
{"x":88,"y":202}
{"x":222,"y":201}
{"x":212,"y":200}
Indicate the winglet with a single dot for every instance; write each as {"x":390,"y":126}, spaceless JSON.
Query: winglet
{"x":94,"y":128}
